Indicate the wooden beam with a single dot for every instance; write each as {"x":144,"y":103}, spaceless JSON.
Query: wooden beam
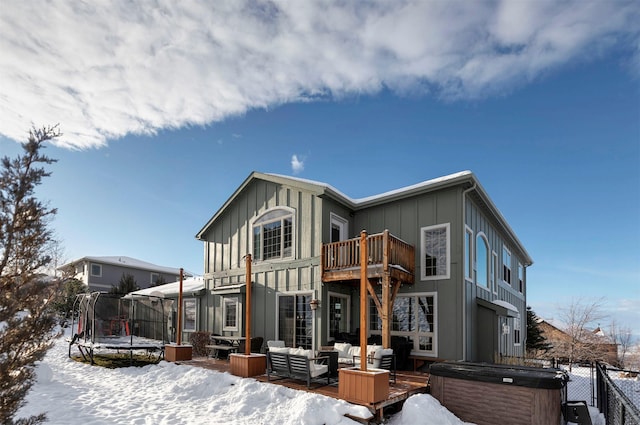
{"x":386,"y":299}
{"x":364,"y":259}
{"x":247,"y":341}
{"x":373,"y":294}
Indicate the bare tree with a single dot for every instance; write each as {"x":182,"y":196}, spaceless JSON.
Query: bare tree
{"x":26,"y":319}
{"x":580,"y":318}
{"x":624,"y":338}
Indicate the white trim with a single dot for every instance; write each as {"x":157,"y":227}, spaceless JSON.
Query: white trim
{"x":238,"y":326}
{"x":91,"y":270}
{"x":184,"y":315}
{"x":252,"y":224}
{"x":469,"y":259}
{"x":423,"y":230}
{"x":311,"y":293}
{"x":348,"y":312}
{"x":342,"y":223}
{"x":510,"y":282}
{"x":520,"y":278}
{"x":488,"y":261}
{"x":413,"y":335}
{"x":516,"y":321}
{"x":496,"y":270}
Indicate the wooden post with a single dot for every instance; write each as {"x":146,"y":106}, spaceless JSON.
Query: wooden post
{"x":386,"y":309}
{"x":364,"y":261}
{"x":247,"y":315}
{"x":179,"y":331}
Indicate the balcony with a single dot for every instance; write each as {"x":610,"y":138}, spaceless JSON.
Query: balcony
{"x":340,"y":261}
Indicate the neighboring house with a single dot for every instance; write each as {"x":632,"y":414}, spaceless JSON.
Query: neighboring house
{"x":591,"y":346}
{"x":102,"y":273}
{"x":193,"y":300}
{"x":450,"y":265}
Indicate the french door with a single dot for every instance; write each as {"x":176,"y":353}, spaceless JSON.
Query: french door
{"x":295,"y":320}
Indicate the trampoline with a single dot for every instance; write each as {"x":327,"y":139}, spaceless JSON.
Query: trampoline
{"x":103,"y":321}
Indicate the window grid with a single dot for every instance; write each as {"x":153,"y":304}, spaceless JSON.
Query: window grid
{"x":506,"y":265}
{"x":273,"y":235}
{"x":412,"y":316}
{"x":435,"y":252}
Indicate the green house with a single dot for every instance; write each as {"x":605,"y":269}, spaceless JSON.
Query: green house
{"x":446,"y":272}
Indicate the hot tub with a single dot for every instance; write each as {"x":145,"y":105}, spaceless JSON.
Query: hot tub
{"x":488,"y":394}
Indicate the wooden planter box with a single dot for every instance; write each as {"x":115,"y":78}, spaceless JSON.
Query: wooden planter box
{"x":360,"y":387}
{"x":247,"y":366}
{"x":175,"y":353}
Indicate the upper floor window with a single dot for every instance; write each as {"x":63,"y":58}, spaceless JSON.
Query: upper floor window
{"x":435,"y":252}
{"x":154,"y":278}
{"x":506,"y":265}
{"x":482,"y":261}
{"x":96,"y":270}
{"x":520,"y":277}
{"x":273,"y":235}
{"x":494,"y":271}
{"x":468,"y":254}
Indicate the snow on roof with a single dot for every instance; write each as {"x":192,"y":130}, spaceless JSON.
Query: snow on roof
{"x":506,"y":305}
{"x":134,"y":263}
{"x":422,"y":185}
{"x":193,"y":284}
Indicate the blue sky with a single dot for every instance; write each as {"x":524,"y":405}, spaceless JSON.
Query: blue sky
{"x":163,"y":120}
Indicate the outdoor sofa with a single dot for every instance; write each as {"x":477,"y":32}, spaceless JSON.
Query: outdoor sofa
{"x":297,"y":363}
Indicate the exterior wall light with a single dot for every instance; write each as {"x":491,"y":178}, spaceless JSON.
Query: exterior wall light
{"x":314,"y":304}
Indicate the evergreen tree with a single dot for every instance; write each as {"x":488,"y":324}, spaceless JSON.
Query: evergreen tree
{"x":27,"y":320}
{"x":536,"y":342}
{"x":63,"y":302}
{"x":127,"y":284}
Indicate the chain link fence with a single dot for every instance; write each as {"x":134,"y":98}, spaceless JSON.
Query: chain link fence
{"x":618,"y":395}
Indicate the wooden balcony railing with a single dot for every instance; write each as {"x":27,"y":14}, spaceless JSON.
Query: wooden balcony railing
{"x":387,"y":254}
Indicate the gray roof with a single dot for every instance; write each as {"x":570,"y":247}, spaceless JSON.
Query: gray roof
{"x":123,"y":261}
{"x":323,"y":189}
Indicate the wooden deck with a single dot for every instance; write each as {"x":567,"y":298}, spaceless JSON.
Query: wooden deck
{"x":340,"y":261}
{"x":407,"y":384}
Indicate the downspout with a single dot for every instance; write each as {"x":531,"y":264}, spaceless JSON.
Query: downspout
{"x":464,"y":281}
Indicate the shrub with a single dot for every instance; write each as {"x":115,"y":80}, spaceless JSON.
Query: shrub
{"x":199,"y":340}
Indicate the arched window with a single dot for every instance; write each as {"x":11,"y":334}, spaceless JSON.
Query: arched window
{"x":273,"y":234}
{"x":482,"y":261}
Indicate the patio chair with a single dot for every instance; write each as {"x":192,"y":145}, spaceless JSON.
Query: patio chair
{"x":388,"y":362}
{"x":256,"y":345}
{"x":331,"y":361}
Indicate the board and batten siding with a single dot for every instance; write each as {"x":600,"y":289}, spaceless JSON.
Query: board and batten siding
{"x":404,"y":219}
{"x":477,"y":220}
{"x":228,"y":240}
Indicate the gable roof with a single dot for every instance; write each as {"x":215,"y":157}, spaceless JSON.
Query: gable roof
{"x":466,"y":178}
{"x":129,"y":262}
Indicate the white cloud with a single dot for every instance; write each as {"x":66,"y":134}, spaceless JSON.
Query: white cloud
{"x":297,"y":164}
{"x":107,"y":69}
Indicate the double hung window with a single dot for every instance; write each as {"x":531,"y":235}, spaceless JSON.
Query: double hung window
{"x":506,"y":265}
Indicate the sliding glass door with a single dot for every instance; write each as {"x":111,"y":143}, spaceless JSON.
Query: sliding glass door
{"x":295,"y":320}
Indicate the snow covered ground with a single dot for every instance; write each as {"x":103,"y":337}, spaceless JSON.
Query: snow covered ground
{"x":70,"y":392}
